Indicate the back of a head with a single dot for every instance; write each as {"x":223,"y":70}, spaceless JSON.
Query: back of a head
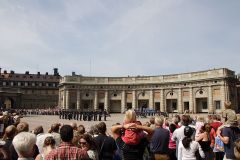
{"x":24,"y":143}
{"x":49,"y":141}
{"x":81,"y":129}
{"x":22,"y":127}
{"x":172,"y":127}
{"x":55,"y":127}
{"x":66,"y":133}
{"x":102,"y":128}
{"x":130,"y":116}
{"x":38,"y":130}
{"x":152,"y":120}
{"x":188,"y":131}
{"x":207,"y":127}
{"x":185,"y":120}
{"x":227,"y":105}
{"x":159,"y":120}
{"x":10,"y":132}
{"x":74,"y":125}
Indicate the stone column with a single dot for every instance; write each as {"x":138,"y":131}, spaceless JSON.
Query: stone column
{"x":210,"y":100}
{"x":235,"y":99}
{"x":227,"y":92}
{"x":106,"y":101}
{"x":78,"y":99}
{"x":134,"y":99}
{"x":191,"y":104}
{"x":59,"y":99}
{"x":95,"y":100}
{"x":67,"y":99}
{"x":162,"y":101}
{"x":151,"y":100}
{"x":64,"y":99}
{"x":223,"y":96}
{"x":180,"y":106}
{"x":123,"y":101}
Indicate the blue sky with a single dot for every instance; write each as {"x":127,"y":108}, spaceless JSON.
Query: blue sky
{"x":119,"y":37}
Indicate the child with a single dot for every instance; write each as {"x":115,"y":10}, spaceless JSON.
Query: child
{"x":132,"y":136}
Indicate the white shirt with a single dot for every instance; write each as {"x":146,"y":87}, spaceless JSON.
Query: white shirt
{"x":189,"y":154}
{"x":178,"y":134}
{"x":40,"y":140}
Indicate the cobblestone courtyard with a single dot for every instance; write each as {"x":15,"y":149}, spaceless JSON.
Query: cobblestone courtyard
{"x":47,"y":120}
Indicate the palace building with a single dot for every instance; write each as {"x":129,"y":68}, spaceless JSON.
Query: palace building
{"x":27,"y":90}
{"x":197,"y":92}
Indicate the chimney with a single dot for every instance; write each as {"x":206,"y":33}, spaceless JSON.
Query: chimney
{"x":27,"y":72}
{"x":55,"y":72}
{"x":73,"y":74}
{"x":38,"y":73}
{"x":5,"y":72}
{"x":46,"y":73}
{"x":12,"y":72}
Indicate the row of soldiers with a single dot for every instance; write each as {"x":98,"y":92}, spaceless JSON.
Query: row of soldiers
{"x":84,"y":115}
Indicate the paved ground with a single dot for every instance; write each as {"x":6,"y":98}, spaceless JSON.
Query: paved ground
{"x":46,"y":121}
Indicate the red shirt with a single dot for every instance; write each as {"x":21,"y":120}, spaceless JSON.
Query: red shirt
{"x":66,"y":151}
{"x":215,"y":125}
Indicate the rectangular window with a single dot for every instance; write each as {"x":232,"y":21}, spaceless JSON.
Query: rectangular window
{"x":204,"y":105}
{"x":218,"y":104}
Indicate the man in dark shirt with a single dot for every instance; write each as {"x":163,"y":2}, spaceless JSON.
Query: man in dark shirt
{"x":160,"y":140}
{"x":106,"y":144}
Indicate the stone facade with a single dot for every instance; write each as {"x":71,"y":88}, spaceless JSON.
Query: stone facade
{"x":197,"y":92}
{"x":28,"y":90}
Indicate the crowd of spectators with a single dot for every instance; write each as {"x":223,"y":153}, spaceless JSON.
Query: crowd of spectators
{"x":182,"y":137}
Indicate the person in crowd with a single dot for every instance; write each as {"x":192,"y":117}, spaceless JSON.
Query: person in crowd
{"x":3,"y":153}
{"x":54,"y":130}
{"x":106,"y":144}
{"x":87,"y":143}
{"x":237,"y":149}
{"x":160,"y":140}
{"x":228,"y":110}
{"x":131,"y":136}
{"x":48,"y":145}
{"x":218,"y":147}
{"x":216,"y":122}
{"x":24,"y":143}
{"x":187,"y":147}
{"x":199,"y":124}
{"x":176,"y":120}
{"x":152,"y":122}
{"x":229,"y":134}
{"x":8,"y":136}
{"x":22,"y":127}
{"x":66,"y":149}
{"x":178,"y":134}
{"x":41,"y":136}
{"x":172,"y":144}
{"x":131,"y":152}
{"x":74,"y":126}
{"x":81,"y":129}
{"x":204,"y":139}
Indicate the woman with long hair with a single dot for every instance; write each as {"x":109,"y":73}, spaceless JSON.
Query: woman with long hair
{"x":87,"y":143}
{"x":187,"y":147}
{"x":204,"y":139}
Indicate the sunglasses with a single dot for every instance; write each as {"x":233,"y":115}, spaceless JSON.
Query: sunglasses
{"x":83,"y":143}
